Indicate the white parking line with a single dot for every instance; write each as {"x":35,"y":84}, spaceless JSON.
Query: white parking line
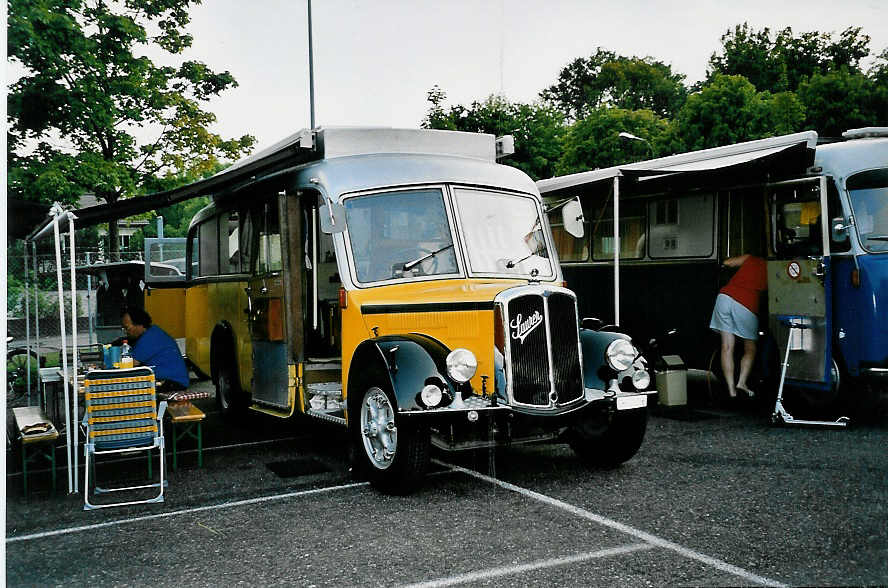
{"x":644,"y":536}
{"x":529,"y":567}
{"x":174,"y":513}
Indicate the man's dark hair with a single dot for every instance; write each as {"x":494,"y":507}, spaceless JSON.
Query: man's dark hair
{"x":138,"y":316}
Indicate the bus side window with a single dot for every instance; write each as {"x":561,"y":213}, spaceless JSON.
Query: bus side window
{"x":269,"y":246}
{"x":229,"y":243}
{"x":208,"y":245}
{"x":247,"y":239}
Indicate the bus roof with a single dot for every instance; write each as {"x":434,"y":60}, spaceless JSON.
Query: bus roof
{"x":303,"y":147}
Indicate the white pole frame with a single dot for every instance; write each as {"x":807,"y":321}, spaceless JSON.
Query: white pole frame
{"x":617,"y":250}
{"x":57,"y":213}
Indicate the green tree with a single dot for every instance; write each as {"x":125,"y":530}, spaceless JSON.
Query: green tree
{"x":780,"y":62}
{"x":594,"y":142}
{"x":841,"y":100}
{"x":92,"y":113}
{"x":605,"y":79}
{"x":536,"y":128}
{"x":729,"y":110}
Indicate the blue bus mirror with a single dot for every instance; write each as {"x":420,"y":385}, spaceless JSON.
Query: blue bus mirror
{"x":839,"y":230}
{"x":332,"y":216}
{"x":572,"y":217}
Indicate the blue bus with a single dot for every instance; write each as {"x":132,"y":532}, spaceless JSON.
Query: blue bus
{"x":659,"y":230}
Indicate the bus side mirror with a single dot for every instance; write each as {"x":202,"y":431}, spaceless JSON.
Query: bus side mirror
{"x":572,"y":218}
{"x":839,"y":230}
{"x":332,"y":216}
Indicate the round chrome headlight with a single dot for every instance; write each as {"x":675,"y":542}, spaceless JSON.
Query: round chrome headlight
{"x":431,"y":395}
{"x":620,"y":354}
{"x":461,"y":365}
{"x":641,"y":379}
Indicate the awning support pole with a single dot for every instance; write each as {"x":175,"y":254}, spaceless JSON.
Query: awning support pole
{"x":56,"y":211}
{"x":617,"y":250}
{"x":74,"y":358}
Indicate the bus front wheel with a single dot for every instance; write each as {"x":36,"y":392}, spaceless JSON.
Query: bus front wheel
{"x":391,"y":454}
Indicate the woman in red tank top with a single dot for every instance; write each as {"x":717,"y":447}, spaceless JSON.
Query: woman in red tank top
{"x":736,"y":315}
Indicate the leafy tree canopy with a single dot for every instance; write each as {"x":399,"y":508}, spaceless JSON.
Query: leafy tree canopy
{"x":537,"y":128}
{"x":779,"y":62}
{"x":594,"y":142}
{"x":605,"y":79}
{"x":729,"y":110}
{"x":92,"y":113}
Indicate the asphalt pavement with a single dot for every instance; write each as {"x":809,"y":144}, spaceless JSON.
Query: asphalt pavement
{"x":716,"y":497}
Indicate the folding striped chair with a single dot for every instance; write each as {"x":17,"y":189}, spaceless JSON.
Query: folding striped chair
{"x":122,"y":416}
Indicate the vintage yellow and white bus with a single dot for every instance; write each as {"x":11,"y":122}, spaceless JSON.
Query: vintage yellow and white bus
{"x":403,"y":284}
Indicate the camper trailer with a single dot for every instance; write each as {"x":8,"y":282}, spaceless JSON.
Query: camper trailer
{"x":659,"y":230}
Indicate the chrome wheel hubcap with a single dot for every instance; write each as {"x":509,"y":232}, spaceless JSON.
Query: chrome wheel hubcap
{"x":378,"y":430}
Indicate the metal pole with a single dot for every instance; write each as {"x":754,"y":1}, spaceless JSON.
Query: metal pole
{"x":617,"y":250}
{"x":27,"y":328}
{"x":58,"y":255}
{"x":36,"y":303}
{"x":74,"y":358}
{"x":311,"y":83}
{"x":89,"y":312}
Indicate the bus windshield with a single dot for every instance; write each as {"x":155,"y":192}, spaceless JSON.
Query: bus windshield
{"x":397,"y":235}
{"x":503,"y":234}
{"x":869,"y":204}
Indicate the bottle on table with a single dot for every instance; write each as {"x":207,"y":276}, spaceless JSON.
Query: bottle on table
{"x":126,"y":358}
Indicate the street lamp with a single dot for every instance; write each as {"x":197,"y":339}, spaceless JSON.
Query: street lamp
{"x":631,"y":137}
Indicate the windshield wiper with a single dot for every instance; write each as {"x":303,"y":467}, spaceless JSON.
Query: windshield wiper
{"x":410,"y":264}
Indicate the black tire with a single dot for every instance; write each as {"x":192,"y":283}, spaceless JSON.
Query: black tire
{"x":607,"y":438}
{"x":393,"y":455}
{"x":229,"y":397}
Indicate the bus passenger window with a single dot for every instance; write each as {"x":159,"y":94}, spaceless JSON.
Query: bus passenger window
{"x":569,"y":247}
{"x":269,"y":240}
{"x":682,"y":227}
{"x":633,"y":220}
{"x":229,"y":243}
{"x":208,"y":243}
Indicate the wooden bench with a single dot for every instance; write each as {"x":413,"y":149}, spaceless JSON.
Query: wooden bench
{"x":186,"y":415}
{"x":36,"y":431}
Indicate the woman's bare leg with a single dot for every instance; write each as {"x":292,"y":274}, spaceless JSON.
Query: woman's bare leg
{"x":727,"y":361}
{"x":746,"y":365}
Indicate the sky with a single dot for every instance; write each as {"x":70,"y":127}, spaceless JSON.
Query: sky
{"x":376,"y":60}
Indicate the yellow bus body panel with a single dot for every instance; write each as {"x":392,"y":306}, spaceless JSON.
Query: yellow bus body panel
{"x":470,"y":329}
{"x":167,"y":309}
{"x":197,"y":327}
{"x":206,"y":306}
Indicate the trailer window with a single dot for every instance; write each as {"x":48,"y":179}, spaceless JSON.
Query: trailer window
{"x":682,"y":227}
{"x":569,"y":247}
{"x":633,"y":218}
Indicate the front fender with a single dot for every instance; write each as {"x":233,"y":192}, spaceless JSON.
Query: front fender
{"x":596,"y":372}
{"x":405,"y":363}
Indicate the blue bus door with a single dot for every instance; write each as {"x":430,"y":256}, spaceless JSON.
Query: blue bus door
{"x":799,"y":290}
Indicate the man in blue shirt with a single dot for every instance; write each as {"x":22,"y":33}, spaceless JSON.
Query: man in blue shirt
{"x":152,"y":346}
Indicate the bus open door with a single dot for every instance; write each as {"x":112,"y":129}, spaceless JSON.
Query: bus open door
{"x":799,"y":290}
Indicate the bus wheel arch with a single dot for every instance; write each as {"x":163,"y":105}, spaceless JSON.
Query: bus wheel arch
{"x":223,"y":370}
{"x":389,"y":449}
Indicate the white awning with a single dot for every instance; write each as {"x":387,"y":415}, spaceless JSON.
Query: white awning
{"x":705,"y":160}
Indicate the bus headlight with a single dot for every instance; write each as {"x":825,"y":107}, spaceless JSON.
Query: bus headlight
{"x":431,"y":395}
{"x":461,"y":365}
{"x":641,"y":379}
{"x":620,"y":354}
